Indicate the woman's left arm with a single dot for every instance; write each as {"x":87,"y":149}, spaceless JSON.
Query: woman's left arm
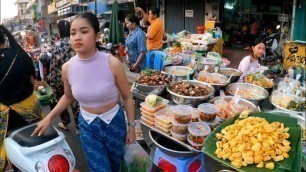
{"x":123,"y":86}
{"x":139,"y":60}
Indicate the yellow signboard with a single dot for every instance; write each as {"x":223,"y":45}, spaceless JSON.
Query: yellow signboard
{"x":51,"y":8}
{"x":294,"y":53}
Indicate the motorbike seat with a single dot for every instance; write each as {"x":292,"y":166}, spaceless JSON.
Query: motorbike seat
{"x":23,"y":136}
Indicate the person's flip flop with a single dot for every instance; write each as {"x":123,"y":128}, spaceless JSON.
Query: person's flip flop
{"x":62,"y":126}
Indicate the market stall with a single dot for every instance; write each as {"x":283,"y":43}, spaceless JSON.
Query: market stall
{"x":184,"y":109}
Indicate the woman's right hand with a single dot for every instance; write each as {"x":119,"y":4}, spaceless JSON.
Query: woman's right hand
{"x":42,"y":126}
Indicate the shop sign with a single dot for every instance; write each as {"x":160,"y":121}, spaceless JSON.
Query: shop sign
{"x":295,"y":53}
{"x":61,"y":3}
{"x":283,"y":17}
{"x":64,"y":11}
{"x":51,"y":8}
{"x":74,"y":1}
{"x":188,"y":13}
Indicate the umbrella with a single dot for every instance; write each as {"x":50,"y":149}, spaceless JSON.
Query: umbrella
{"x":115,"y":30}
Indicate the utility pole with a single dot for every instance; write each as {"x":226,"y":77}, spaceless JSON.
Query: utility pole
{"x":95,"y":7}
{"x":0,"y":13}
{"x":47,"y":19}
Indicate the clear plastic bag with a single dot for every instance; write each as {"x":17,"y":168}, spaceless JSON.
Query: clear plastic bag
{"x":135,"y":159}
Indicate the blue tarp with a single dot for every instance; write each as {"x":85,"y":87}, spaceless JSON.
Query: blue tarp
{"x":101,"y":8}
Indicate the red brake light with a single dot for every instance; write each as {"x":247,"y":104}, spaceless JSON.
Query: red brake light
{"x":58,"y":163}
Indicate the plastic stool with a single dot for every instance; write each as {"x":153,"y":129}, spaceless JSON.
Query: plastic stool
{"x":181,"y":164}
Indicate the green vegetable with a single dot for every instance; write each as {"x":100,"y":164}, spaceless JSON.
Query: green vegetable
{"x":153,"y":100}
{"x":148,"y":72}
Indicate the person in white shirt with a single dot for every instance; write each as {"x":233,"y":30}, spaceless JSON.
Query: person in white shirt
{"x":250,"y":62}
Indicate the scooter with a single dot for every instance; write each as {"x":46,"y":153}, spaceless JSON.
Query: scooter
{"x":272,"y":58}
{"x":47,"y":153}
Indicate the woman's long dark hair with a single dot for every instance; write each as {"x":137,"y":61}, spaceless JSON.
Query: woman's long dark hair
{"x":12,"y":41}
{"x":91,"y":18}
{"x":64,"y":28}
{"x":256,"y":42}
{"x":133,"y":19}
{"x":2,"y":40}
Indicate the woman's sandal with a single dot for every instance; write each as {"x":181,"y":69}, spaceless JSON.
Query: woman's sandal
{"x":62,"y":126}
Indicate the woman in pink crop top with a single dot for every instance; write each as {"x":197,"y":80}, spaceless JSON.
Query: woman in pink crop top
{"x":103,"y":131}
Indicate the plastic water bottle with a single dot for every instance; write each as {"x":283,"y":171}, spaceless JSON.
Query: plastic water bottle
{"x":218,"y":33}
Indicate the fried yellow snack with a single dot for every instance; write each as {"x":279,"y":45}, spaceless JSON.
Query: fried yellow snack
{"x":253,"y":140}
{"x":260,"y":165}
{"x":270,"y":166}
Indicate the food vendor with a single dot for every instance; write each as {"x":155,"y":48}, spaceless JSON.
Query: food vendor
{"x":250,"y":62}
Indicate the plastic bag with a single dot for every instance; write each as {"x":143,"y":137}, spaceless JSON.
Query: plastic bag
{"x":274,"y":45}
{"x":135,"y":159}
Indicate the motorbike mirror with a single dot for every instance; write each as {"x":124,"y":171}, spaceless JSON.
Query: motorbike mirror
{"x":278,"y":26}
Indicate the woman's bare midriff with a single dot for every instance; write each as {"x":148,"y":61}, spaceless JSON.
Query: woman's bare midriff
{"x":100,"y":110}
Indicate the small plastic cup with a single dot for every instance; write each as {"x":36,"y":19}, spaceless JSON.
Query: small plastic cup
{"x":179,"y":128}
{"x":183,"y":113}
{"x":194,"y":145}
{"x":198,"y":132}
{"x":195,"y":116}
{"x":179,"y":137}
{"x":208,"y":111}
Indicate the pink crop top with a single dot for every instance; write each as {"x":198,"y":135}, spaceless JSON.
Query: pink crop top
{"x":92,"y":82}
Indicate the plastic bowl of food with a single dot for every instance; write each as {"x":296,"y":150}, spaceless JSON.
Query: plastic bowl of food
{"x":179,"y":128}
{"x":193,"y":144}
{"x":179,"y":137}
{"x":198,"y":132}
{"x":195,"y":116}
{"x":182,"y":113}
{"x":208,"y":111}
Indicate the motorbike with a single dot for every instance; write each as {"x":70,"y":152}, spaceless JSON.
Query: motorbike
{"x":47,"y":153}
{"x":273,"y":58}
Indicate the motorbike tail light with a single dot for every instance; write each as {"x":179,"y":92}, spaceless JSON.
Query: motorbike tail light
{"x":58,"y":163}
{"x":70,"y":156}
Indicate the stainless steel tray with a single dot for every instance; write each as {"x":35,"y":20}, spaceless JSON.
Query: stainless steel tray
{"x":188,"y":151}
